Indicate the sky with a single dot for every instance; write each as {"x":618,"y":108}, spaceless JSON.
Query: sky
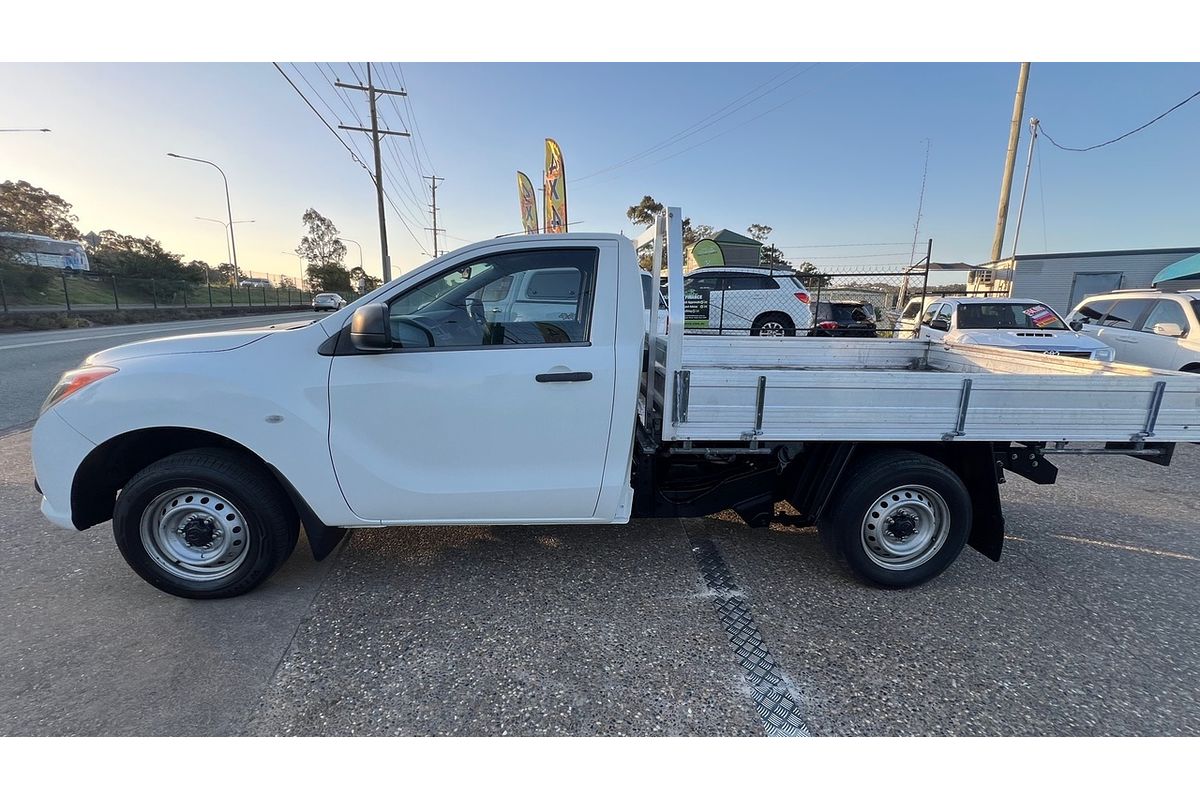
{"x":831,"y":155}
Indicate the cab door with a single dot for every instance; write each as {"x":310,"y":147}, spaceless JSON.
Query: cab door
{"x":474,"y":418}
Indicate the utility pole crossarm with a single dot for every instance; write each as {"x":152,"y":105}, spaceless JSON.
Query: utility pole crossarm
{"x":377,"y":90}
{"x":381,"y":132}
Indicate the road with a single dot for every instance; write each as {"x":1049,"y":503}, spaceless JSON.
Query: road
{"x":1088,"y":626}
{"x":30,"y":363}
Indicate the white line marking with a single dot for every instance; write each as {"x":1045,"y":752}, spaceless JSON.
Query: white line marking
{"x":1129,"y":547}
{"x":115,"y":335}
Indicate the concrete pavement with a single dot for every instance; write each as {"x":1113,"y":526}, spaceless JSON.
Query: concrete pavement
{"x":1089,"y":625}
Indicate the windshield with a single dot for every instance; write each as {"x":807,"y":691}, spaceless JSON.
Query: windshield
{"x":1009,"y":316}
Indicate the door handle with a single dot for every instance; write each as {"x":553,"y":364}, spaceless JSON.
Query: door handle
{"x":563,"y":377}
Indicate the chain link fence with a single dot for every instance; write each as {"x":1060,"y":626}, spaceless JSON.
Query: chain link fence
{"x":31,"y":289}
{"x":866,"y":301}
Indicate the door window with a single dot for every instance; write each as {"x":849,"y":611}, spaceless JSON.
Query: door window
{"x":474,"y":305}
{"x":750,"y":283}
{"x":927,"y":317}
{"x":1168,"y":312}
{"x":1091,"y":312}
{"x":1125,"y":313}
{"x":943,"y":313}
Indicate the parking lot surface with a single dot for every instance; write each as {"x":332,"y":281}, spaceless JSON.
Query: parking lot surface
{"x":1089,"y":625}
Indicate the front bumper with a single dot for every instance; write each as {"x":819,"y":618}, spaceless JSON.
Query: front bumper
{"x":58,"y":450}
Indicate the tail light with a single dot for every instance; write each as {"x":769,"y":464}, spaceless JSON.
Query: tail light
{"x":802,"y":297}
{"x":827,"y":325}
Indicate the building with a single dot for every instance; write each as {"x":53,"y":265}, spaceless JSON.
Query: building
{"x":723,"y":249}
{"x":1061,"y":280}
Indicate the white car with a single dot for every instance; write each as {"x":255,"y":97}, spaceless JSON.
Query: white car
{"x":759,"y":301}
{"x":1010,"y":323}
{"x":328,"y":301}
{"x":1147,"y":327}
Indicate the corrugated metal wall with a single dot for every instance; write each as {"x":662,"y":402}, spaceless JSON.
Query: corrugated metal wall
{"x":1051,"y":279}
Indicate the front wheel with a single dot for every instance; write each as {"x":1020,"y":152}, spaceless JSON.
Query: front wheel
{"x":899,"y":520}
{"x":773,"y":324}
{"x":204,"y":524}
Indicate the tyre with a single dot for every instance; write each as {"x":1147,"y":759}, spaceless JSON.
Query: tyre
{"x":204,"y":524}
{"x":773,"y":323}
{"x":900,"y":519}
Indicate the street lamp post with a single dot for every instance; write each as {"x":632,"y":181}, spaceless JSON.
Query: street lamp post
{"x":225,"y":225}
{"x":360,"y":255}
{"x":228,"y":207}
{"x":301,"y":262}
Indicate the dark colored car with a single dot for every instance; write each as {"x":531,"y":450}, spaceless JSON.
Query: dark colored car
{"x":843,"y":318}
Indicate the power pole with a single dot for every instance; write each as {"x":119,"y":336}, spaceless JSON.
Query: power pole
{"x":376,"y":137}
{"x":433,"y":179}
{"x":1010,"y":161}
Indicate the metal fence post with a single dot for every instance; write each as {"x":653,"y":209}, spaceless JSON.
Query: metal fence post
{"x":153,"y":293}
{"x":3,"y":295}
{"x":231,"y":294}
{"x":185,"y":293}
{"x":208,"y":283}
{"x":264,"y":295}
{"x":116,"y":297}
{"x":249,"y":298}
{"x":66,"y":294}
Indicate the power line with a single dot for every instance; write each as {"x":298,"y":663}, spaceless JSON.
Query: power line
{"x":860,"y":244}
{"x":416,"y":125}
{"x":318,"y":113}
{"x":705,"y":122}
{"x":1123,"y":135}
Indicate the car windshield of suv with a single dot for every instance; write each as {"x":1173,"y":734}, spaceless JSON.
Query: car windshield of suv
{"x":1009,"y":316}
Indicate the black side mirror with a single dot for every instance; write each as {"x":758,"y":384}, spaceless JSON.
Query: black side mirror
{"x":1076,"y":325}
{"x":939,"y":324}
{"x":370,"y":329}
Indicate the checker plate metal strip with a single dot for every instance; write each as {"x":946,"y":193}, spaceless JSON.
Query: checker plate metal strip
{"x":773,"y":699}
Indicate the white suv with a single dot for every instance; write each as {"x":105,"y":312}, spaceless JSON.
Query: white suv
{"x":1145,"y":326}
{"x":759,"y":301}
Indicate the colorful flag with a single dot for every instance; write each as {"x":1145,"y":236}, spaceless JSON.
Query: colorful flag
{"x":554,"y":193}
{"x":529,"y":215}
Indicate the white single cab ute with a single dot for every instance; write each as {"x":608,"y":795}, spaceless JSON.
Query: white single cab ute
{"x":519,"y":381}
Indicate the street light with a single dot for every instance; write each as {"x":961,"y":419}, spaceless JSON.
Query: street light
{"x":360,"y":258}
{"x":225,"y":225}
{"x":297,"y":255}
{"x":228,"y":207}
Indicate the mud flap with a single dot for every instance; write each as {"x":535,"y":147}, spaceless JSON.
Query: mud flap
{"x":978,"y":466}
{"x":322,"y":539}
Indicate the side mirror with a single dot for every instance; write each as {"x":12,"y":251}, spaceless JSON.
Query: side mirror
{"x":1168,"y":329}
{"x":939,"y":324}
{"x":1076,"y":325}
{"x":370,"y":329}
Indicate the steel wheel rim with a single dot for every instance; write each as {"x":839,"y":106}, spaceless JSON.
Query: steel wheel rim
{"x":195,"y":534}
{"x":905,"y":527}
{"x":771,"y":328}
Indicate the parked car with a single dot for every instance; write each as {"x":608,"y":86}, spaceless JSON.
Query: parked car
{"x":255,"y":283}
{"x":913,"y":309}
{"x":1012,"y":323}
{"x":1148,"y":327}
{"x":758,"y":301}
{"x":844,"y":318}
{"x":328,"y":301}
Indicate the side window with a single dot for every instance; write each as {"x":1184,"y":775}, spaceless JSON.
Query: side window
{"x":927,"y":317}
{"x":701,"y":282}
{"x":911,"y":310}
{"x":1091,"y":312}
{"x":750,"y":283}
{"x":647,"y":290}
{"x":1125,"y":313}
{"x":943,"y":313}
{"x":1170,"y":315}
{"x":527,"y":297}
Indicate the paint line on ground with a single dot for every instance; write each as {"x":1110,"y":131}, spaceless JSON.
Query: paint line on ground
{"x":1131,"y":548}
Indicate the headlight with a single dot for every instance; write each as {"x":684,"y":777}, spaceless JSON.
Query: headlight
{"x":1104,"y":354}
{"x":72,"y":381}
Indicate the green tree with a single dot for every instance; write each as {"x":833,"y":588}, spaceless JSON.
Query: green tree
{"x":320,"y":246}
{"x":122,"y":254}
{"x":328,"y":278}
{"x":369,"y":282}
{"x":31,"y":209}
{"x":643,"y":215}
{"x":226,"y":273}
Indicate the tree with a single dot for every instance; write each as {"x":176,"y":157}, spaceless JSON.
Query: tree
{"x":328,"y":278}
{"x":643,"y":215}
{"x":812,"y":277}
{"x":30,"y":209}
{"x":369,"y":282}
{"x":122,"y":254}
{"x":759,"y":233}
{"x":320,"y":247}
{"x":227,"y":272}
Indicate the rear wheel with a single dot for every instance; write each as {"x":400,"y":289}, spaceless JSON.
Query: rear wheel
{"x":899,"y":520}
{"x":204,"y":524}
{"x":773,"y":324}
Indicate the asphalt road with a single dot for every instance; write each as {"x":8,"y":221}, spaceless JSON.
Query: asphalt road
{"x":1089,"y":625}
{"x":30,"y":363}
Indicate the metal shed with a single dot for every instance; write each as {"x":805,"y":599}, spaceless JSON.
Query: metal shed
{"x":1063,"y":279}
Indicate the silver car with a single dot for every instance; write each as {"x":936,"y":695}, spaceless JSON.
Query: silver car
{"x":328,"y":301}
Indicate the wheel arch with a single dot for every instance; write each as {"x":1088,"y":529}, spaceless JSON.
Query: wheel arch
{"x":111,"y":464}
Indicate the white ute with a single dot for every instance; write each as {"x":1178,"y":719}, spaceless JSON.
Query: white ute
{"x":505,"y":383}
